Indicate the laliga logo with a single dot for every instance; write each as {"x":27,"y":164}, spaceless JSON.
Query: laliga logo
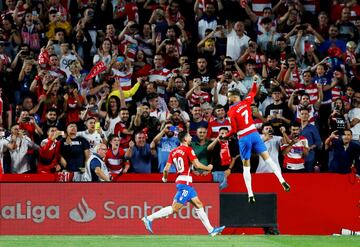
{"x":82,"y":213}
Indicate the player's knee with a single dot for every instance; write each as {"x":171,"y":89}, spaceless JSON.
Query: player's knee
{"x":175,"y":209}
{"x":246,"y":163}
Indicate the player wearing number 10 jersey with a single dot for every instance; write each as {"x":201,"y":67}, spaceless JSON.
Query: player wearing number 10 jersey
{"x":183,"y":157}
{"x":242,"y":125}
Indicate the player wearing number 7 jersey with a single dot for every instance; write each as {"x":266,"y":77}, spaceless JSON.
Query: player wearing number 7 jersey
{"x":183,"y":157}
{"x":242,"y":125}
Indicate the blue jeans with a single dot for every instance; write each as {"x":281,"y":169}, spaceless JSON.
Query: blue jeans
{"x":220,"y":178}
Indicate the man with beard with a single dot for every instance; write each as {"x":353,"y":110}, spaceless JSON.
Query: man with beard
{"x":207,"y":77}
{"x":159,"y":74}
{"x":177,"y":88}
{"x":304,"y":104}
{"x":146,"y":123}
{"x":196,"y":121}
{"x":165,"y":142}
{"x":122,"y":129}
{"x":51,"y":121}
{"x":277,"y":113}
{"x":74,"y":150}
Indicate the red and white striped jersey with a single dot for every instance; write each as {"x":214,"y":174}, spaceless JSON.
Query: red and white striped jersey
{"x":160,"y":75}
{"x":115,"y":162}
{"x":182,"y":158}
{"x":199,"y":98}
{"x":259,"y":5}
{"x":214,"y":127}
{"x":294,"y":159}
{"x":128,"y":46}
{"x":311,"y":89}
{"x":125,"y":139}
{"x":336,"y":93}
{"x":294,"y":79}
{"x":125,"y":79}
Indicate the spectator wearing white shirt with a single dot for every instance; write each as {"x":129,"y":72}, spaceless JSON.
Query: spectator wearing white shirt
{"x":93,"y":133}
{"x":208,"y":19}
{"x":19,"y":145}
{"x":269,"y":36}
{"x":237,"y":41}
{"x":272,"y":143}
{"x":354,"y":117}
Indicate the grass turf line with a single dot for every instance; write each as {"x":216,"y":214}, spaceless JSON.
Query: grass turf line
{"x":180,"y":240}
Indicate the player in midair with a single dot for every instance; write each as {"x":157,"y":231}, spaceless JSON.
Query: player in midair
{"x":183,"y":157}
{"x":242,"y":125}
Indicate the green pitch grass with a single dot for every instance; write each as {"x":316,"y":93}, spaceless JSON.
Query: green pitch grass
{"x":182,"y":240}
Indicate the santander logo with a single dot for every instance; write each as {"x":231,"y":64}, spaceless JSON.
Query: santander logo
{"x":82,"y":213}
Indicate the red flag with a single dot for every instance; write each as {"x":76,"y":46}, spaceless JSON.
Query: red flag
{"x":43,"y":58}
{"x":97,"y":69}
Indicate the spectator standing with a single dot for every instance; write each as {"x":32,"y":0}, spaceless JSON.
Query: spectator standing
{"x":93,"y":133}
{"x":75,"y":151}
{"x":164,"y":142}
{"x":277,"y":113}
{"x":223,"y":155}
{"x":18,"y":146}
{"x":354,"y":116}
{"x":95,"y":168}
{"x":294,"y":148}
{"x":343,"y":152}
{"x":220,"y":121}
{"x":49,"y":153}
{"x":272,"y":143}
{"x":115,"y":158}
{"x":311,"y":133}
{"x":139,"y":154}
{"x":237,"y":41}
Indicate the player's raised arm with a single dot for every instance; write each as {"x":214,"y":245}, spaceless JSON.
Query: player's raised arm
{"x":250,"y":97}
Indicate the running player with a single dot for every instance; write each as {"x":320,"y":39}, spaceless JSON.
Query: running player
{"x":240,"y":115}
{"x":182,"y":157}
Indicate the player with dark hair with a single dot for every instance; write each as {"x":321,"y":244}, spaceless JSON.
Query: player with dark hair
{"x":242,"y":125}
{"x":183,"y":157}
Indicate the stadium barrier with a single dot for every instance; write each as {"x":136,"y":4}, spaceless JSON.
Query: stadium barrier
{"x":318,"y":204}
{"x":93,"y":208}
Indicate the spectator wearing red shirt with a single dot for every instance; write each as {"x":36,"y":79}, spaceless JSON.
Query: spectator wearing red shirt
{"x":114,"y":158}
{"x":27,"y":123}
{"x":219,"y":122}
{"x":73,"y":103}
{"x":122,"y":129}
{"x":49,"y":153}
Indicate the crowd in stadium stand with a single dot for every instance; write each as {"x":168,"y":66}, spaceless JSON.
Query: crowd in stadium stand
{"x":132,"y":74}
